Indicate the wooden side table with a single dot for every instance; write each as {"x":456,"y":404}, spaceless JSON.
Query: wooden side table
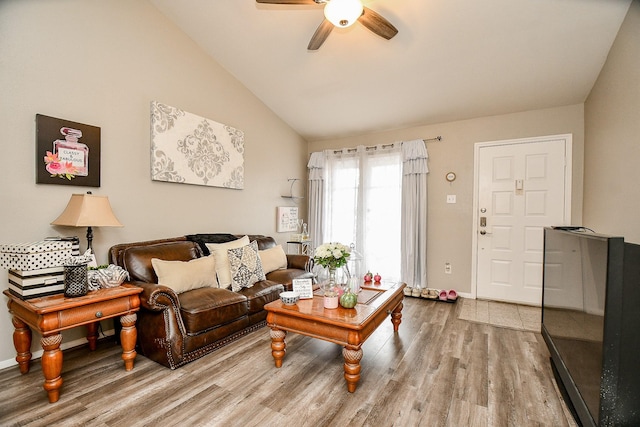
{"x":53,"y":314}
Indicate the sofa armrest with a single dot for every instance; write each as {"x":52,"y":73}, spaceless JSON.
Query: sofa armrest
{"x":156,"y":297}
{"x":300,"y":262}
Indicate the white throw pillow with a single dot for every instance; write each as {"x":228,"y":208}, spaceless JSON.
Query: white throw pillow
{"x":273,"y":259}
{"x":182,"y":276}
{"x":219,"y":252}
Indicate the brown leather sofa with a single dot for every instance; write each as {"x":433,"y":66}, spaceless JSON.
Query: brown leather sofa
{"x":175,"y":329}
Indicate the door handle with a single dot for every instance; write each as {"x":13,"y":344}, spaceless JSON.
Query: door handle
{"x":484,"y":232}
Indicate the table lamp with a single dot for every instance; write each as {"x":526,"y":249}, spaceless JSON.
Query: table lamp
{"x":88,"y":210}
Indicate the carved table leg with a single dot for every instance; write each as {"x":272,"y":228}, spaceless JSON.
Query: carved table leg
{"x":128,"y":336}
{"x":352,"y":367}
{"x":22,"y":344}
{"x":92,"y":335}
{"x":396,"y":317}
{"x":278,"y":345}
{"x":52,"y":365}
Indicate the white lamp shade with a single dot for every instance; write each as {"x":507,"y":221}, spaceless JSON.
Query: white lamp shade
{"x":88,"y":210}
{"x":343,"y":13}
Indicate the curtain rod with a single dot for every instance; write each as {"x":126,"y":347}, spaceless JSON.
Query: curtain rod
{"x":437,"y":138}
{"x":375,"y":147}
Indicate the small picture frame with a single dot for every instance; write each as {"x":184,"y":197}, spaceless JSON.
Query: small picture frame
{"x":287,"y":219}
{"x":303,"y":287}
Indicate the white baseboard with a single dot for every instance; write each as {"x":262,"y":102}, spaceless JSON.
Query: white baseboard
{"x":63,"y":346}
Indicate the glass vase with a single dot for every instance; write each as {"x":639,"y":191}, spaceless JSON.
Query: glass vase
{"x":332,"y":277}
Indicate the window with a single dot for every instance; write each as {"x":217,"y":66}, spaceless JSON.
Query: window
{"x":375,"y":197}
{"x":363,"y":198}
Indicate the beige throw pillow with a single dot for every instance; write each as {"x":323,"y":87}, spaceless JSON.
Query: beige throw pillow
{"x":219,"y":252}
{"x":273,"y":259}
{"x":182,"y":276}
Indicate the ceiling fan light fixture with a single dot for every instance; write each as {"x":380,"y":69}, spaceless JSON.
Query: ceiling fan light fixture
{"x":343,"y":13}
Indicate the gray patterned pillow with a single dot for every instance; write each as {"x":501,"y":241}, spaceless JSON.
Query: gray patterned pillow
{"x":246,"y":268}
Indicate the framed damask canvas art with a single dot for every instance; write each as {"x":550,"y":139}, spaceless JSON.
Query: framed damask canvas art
{"x":189,"y":149}
{"x":67,"y":153}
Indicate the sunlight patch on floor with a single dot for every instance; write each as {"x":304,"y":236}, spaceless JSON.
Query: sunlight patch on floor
{"x":502,"y":314}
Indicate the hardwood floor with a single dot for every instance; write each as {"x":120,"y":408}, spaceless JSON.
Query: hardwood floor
{"x":436,"y":371}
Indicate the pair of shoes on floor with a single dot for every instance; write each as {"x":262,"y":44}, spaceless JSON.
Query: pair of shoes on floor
{"x":448,"y":296}
{"x":411,"y":292}
{"x":429,"y":293}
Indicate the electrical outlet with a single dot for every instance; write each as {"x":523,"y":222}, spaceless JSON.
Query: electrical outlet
{"x":447,"y":267}
{"x":451,"y":198}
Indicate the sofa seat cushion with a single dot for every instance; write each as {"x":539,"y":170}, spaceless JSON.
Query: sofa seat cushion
{"x":206,"y":308}
{"x":261,"y":293}
{"x":286,"y":276}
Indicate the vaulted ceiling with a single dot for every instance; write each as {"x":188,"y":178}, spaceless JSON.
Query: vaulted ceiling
{"x":451,"y":59}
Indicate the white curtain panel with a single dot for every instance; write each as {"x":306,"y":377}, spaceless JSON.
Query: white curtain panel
{"x":315,"y":193}
{"x":414,"y":213}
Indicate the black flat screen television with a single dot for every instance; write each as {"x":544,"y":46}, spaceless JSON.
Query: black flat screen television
{"x":591,"y":324}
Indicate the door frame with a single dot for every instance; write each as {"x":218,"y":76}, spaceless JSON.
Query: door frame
{"x":568,"y":169}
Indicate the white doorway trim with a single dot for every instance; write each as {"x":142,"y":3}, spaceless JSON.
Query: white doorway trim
{"x":568,"y":167}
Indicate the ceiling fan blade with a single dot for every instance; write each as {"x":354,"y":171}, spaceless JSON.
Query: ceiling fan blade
{"x":287,"y":1}
{"x":321,"y":34}
{"x":377,"y":24}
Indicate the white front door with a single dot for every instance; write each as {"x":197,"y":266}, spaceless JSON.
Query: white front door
{"x":521,"y":187}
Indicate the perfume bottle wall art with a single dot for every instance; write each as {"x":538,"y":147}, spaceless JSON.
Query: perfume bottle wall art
{"x":67,"y":152}
{"x":70,"y":151}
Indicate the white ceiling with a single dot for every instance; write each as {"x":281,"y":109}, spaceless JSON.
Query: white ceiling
{"x":451,"y":59}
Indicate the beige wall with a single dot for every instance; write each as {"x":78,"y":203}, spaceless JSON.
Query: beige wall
{"x":450,"y":225}
{"x":102,"y":63}
{"x":612,"y":143}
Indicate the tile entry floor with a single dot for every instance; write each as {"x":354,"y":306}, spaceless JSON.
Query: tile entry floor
{"x":506,"y":315}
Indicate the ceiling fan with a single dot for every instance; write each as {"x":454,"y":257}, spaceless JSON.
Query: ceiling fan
{"x":343,"y":13}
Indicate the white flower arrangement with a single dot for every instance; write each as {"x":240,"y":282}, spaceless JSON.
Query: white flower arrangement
{"x":332,"y":255}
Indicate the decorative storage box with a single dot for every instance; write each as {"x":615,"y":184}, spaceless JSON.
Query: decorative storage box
{"x":35,"y":269}
{"x":35,"y":255}
{"x":36,"y":283}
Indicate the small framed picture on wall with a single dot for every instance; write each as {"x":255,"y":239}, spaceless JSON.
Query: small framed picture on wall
{"x":287,"y":219}
{"x":67,"y":153}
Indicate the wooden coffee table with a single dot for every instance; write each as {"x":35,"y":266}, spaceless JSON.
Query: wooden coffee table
{"x":348,"y":327}
{"x":52,"y":314}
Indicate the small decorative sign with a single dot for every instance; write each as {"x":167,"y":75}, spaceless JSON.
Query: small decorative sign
{"x":303,"y":287}
{"x":287,"y":219}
